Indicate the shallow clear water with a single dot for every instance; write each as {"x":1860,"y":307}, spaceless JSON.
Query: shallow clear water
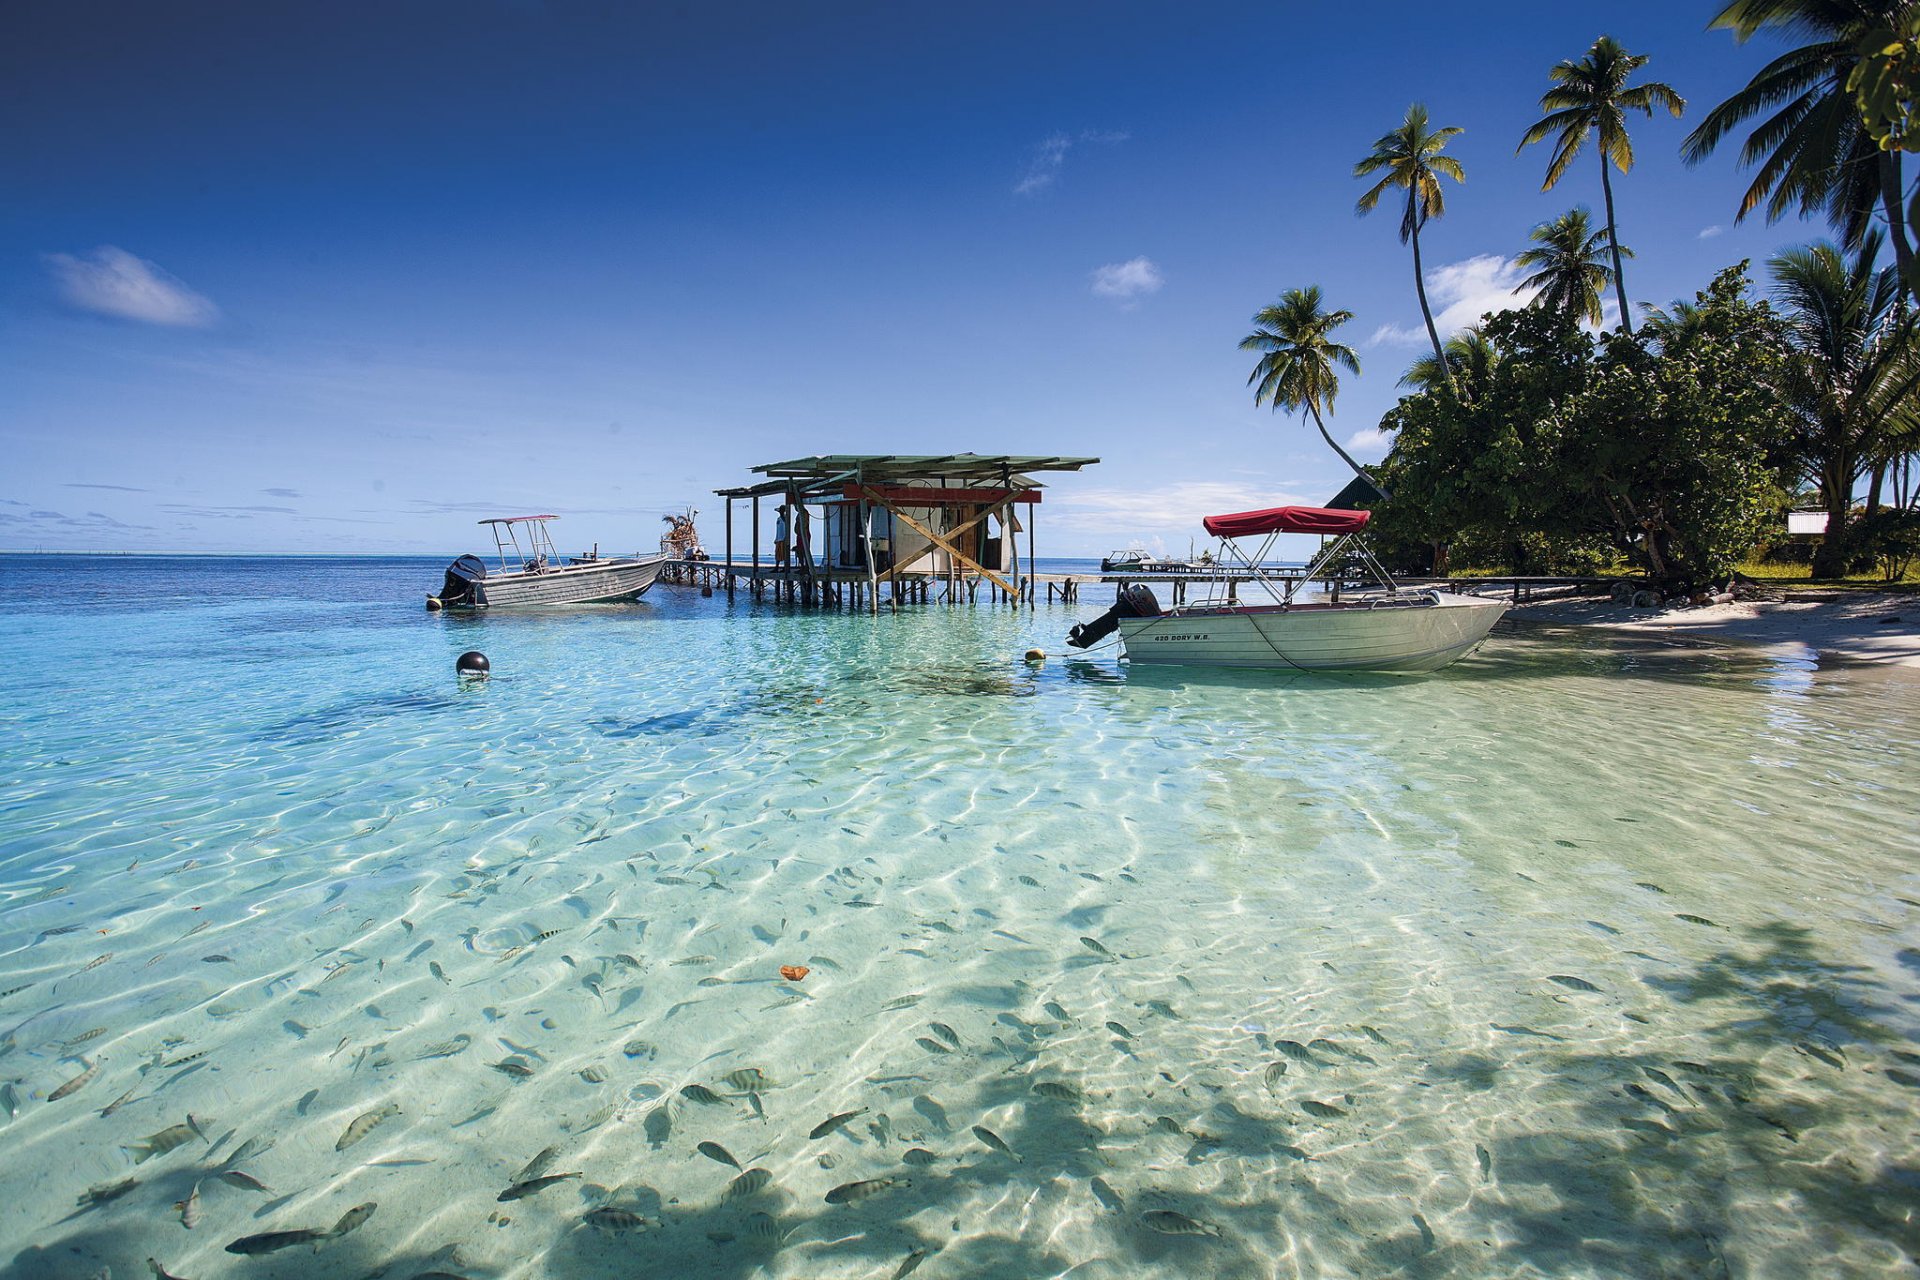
{"x":1580,"y":958}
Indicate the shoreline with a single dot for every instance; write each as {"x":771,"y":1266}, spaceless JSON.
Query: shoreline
{"x":1854,"y":625}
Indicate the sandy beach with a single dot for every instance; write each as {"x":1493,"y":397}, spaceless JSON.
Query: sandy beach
{"x":1848,"y":624}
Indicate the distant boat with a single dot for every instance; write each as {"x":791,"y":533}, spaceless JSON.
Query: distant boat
{"x":537,"y":574}
{"x":1381,"y":631}
{"x":1124,"y":561}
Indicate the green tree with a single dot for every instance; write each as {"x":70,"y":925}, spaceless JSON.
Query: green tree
{"x":1410,"y":158}
{"x":1570,"y":265}
{"x":1299,"y":367}
{"x":1851,"y":382}
{"x":1591,"y":98}
{"x":1810,"y":148}
{"x":1470,"y":361}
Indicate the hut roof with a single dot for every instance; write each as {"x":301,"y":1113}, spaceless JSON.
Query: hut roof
{"x":830,"y":471}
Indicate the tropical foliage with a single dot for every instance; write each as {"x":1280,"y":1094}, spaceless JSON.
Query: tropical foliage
{"x":1569,"y":266}
{"x":1410,"y":158}
{"x":1590,"y":99}
{"x":1300,"y":361}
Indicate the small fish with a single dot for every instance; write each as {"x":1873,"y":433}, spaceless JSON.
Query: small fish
{"x":1320,"y":1110}
{"x":274,"y":1241}
{"x":1375,"y":1036}
{"x":1030,"y":882}
{"x":1485,"y":1157}
{"x":1696,"y":920}
{"x":832,"y":1123}
{"x":189,"y":1058}
{"x":701,"y":1094}
{"x":690,"y":960}
{"x":1271,"y":1076}
{"x":543,"y":935}
{"x":1571,"y":983}
{"x":931,"y":1045}
{"x":605,"y":1219}
{"x":747,"y":1080}
{"x":1057,"y":1011}
{"x":216,"y":959}
{"x":1109,"y":1198}
{"x":119,"y":1102}
{"x":189,"y":1209}
{"x":1167,"y":1124}
{"x":1169,"y":1223}
{"x":433,"y":967}
{"x":92,"y":1034}
{"x":714,"y":1151}
{"x":1057,"y":1090}
{"x":1120,"y":1031}
{"x":946,"y":1033}
{"x":531,"y":1186}
{"x":1829,"y":1056}
{"x":96,"y":962}
{"x":79,"y":1082}
{"x":516,"y":1068}
{"x":1648,"y":885}
{"x":365,"y":1124}
{"x":898,"y":1002}
{"x":907,"y":1264}
{"x":160,"y":1272}
{"x":251,"y":1147}
{"x":921,"y":1156}
{"x":101,"y":1192}
{"x":243,"y":1180}
{"x":446,"y":1048}
{"x":993,"y":1140}
{"x":1093,"y":945}
{"x":852,"y":1192}
{"x":160,"y":1143}
{"x":594,"y":1075}
{"x":1297,"y":1051}
{"x":538,"y":1165}
{"x":749,"y":1182}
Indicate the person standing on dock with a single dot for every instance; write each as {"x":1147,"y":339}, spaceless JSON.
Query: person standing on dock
{"x":780,"y":538}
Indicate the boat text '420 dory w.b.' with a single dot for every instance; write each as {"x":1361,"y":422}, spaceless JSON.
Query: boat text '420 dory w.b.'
{"x":1384,"y":630}
{"x":537,"y":574}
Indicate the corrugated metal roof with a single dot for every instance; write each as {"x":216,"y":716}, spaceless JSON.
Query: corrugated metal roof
{"x":883,"y":468}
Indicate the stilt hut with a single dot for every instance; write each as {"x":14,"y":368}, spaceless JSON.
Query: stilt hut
{"x":874,"y":520}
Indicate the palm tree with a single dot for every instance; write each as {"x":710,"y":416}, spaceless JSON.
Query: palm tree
{"x":1470,"y":359}
{"x":1297,"y":371}
{"x":1809,"y":148}
{"x":1852,"y":378}
{"x":1573,"y":272}
{"x":1411,"y":157}
{"x":1590,"y":97}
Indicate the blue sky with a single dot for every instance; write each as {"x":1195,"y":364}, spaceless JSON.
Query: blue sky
{"x":347,"y":276}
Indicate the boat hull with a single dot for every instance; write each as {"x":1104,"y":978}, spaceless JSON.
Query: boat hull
{"x":597,"y":582}
{"x":1410,"y":637}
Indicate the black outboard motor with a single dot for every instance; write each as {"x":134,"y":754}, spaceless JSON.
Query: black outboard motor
{"x":1135,"y":600}
{"x":461,"y":575}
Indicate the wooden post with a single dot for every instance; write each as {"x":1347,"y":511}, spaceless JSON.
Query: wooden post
{"x":729,"y":548}
{"x":1031,"y":559}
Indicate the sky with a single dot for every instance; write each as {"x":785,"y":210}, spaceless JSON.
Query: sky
{"x":349,"y":277}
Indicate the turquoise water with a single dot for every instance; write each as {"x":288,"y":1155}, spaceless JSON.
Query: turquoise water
{"x":1583,"y":957}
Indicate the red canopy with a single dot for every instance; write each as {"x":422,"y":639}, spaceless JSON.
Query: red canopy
{"x":1246,"y":524}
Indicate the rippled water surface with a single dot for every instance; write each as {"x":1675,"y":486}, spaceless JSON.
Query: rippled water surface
{"x":1580,"y":958}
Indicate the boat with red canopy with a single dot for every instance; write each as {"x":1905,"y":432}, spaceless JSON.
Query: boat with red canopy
{"x":1382,"y":629}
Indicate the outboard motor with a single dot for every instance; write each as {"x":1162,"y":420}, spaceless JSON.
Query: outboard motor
{"x":462,"y":574}
{"x":1135,"y":600}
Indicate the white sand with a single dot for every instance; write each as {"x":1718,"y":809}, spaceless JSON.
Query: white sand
{"x":1857,"y":625}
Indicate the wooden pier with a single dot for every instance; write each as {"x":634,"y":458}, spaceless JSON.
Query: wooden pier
{"x":821,"y":587}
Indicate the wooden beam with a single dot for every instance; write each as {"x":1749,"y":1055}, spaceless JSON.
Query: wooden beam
{"x":918,"y":496}
{"x":947,"y":546}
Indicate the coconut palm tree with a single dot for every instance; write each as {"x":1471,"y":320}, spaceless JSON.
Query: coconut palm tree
{"x":1852,"y":379}
{"x":1809,"y":148}
{"x":1572,"y":265}
{"x":1470,"y":361}
{"x":1411,"y":160}
{"x":1297,"y":369}
{"x":1592,"y":97}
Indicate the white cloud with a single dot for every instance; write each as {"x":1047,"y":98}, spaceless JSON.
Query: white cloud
{"x":1369,"y":439}
{"x":1168,"y":511}
{"x":1463,"y":292}
{"x":1708,"y":233}
{"x":113,"y":282}
{"x":1126,"y":281}
{"x":1050,"y":156}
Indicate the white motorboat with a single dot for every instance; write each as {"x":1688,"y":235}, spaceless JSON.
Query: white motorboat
{"x":538,"y":574}
{"x":1382,"y":630}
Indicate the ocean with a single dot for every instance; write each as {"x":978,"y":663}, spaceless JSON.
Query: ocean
{"x":828,"y":944}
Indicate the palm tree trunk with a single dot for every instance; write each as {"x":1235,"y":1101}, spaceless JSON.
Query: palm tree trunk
{"x":1896,"y":221}
{"x":1426,"y":313}
{"x":1344,"y":456}
{"x":1613,"y":242}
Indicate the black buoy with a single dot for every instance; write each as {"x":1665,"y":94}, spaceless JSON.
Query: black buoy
{"x":472,"y":663}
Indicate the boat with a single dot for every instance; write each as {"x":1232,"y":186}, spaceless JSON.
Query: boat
{"x":1124,"y":561}
{"x":538,"y":574}
{"x":1136,"y":560}
{"x":1385,"y":629}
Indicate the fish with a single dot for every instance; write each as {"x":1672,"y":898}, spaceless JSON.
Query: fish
{"x":1297,"y":1051}
{"x":993,"y":1140}
{"x":853,"y":1192}
{"x":747,"y":1080}
{"x":160,"y":1272}
{"x":749,"y":1182}
{"x":251,"y":1147}
{"x":160,"y":1143}
{"x":216,"y":959}
{"x":701,"y":1094}
{"x":538,"y":1165}
{"x":1169,"y":1223}
{"x":1109,"y":1198}
{"x":1057,"y":1090}
{"x":946,"y":1033}
{"x":1571,"y":983}
{"x":907,"y":1264}
{"x":1648,"y":885}
{"x":532,"y":1186}
{"x":79,"y":1082}
{"x":1696,"y":920}
{"x":1167,"y":1124}
{"x":102,"y":1192}
{"x":433,"y":967}
{"x":93,"y":1033}
{"x":834,"y":1122}
{"x":274,"y":1241}
{"x":902,"y":1002}
{"x":922,"y":1156}
{"x":609,"y":1219}
{"x":243,"y":1180}
{"x":1030,"y":882}
{"x":516,"y":1068}
{"x":1271,"y":1076}
{"x":1320,"y":1109}
{"x":189,"y":1209}
{"x":193,"y":1057}
{"x":714,"y":1151}
{"x":96,"y":962}
{"x":1057,"y":1011}
{"x":363,"y":1125}
{"x":658,"y":1126}
{"x":1120,"y":1031}
{"x":931,"y":1046}
{"x":594,"y":1075}
{"x":1093,"y":945}
{"x":692,"y":960}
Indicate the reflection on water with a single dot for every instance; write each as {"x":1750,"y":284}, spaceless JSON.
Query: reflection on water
{"x":1582,"y":957}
